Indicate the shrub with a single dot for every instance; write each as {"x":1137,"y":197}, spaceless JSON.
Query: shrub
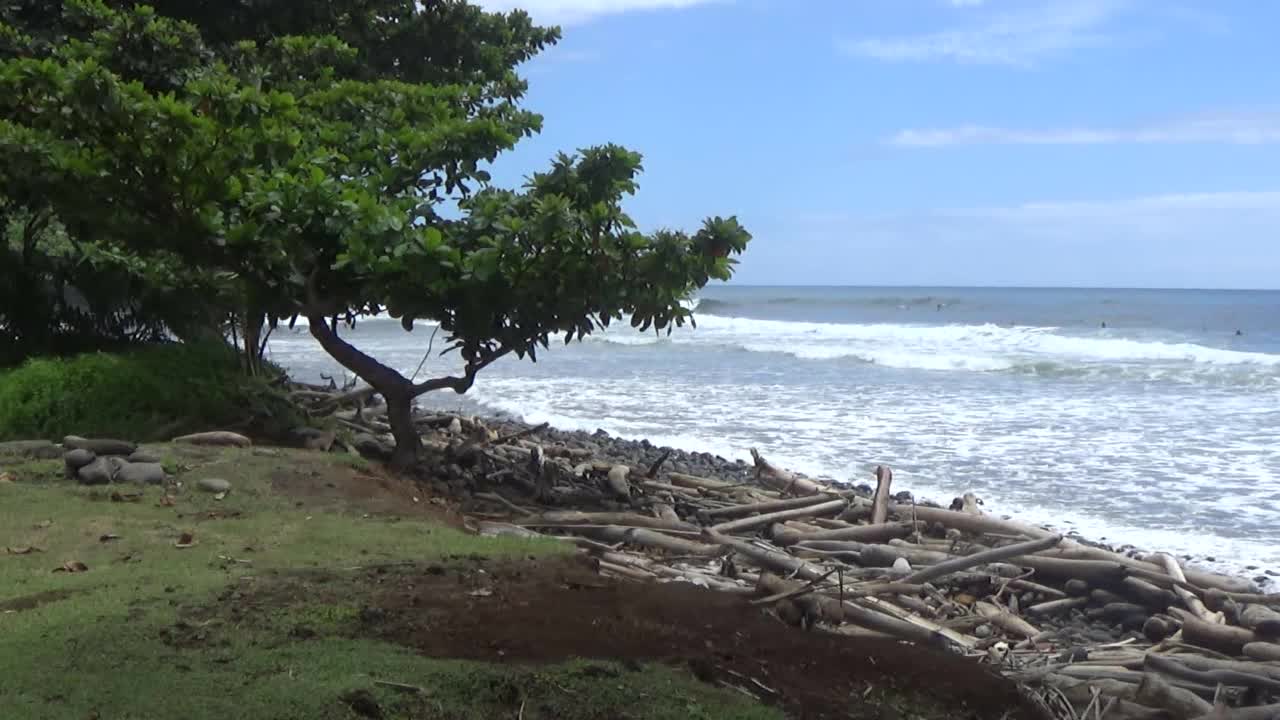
{"x":149,"y":393}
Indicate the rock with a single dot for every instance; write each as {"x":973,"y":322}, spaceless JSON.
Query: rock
{"x":982,"y":631}
{"x":322,"y":442}
{"x":99,"y":446}
{"x":370,"y":446}
{"x":901,"y":565}
{"x":142,"y":456}
{"x":141,"y":473}
{"x":76,"y":459}
{"x":222,"y":438}
{"x":98,"y":472}
{"x":213,"y":485}
{"x":617,"y":482}
{"x":34,"y":449}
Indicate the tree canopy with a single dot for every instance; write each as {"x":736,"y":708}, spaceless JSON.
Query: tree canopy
{"x":263,"y":159}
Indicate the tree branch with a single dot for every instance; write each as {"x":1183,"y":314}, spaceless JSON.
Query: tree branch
{"x":459,"y":384}
{"x":382,"y":378}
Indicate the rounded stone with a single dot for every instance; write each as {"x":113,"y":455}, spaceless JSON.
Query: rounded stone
{"x":213,"y":485}
{"x":982,"y":631}
{"x":78,"y":458}
{"x":98,"y":472}
{"x":141,"y":473}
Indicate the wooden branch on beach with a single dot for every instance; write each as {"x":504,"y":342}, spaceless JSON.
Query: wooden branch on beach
{"x":758,"y":521}
{"x":778,"y":479}
{"x":982,"y":558}
{"x":880,"y":501}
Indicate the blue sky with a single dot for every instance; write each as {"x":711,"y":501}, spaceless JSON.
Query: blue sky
{"x":936,"y":142}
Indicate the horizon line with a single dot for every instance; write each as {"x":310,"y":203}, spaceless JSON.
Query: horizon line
{"x":995,"y":287}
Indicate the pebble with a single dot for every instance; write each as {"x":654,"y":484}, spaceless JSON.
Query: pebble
{"x":982,"y":632}
{"x":213,"y":485}
{"x":901,"y":565}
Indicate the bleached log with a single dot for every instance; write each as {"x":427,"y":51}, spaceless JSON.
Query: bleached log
{"x":1156,"y":598}
{"x":1155,"y":691}
{"x":1200,"y":662}
{"x":1192,"y":602}
{"x":1006,"y":620}
{"x":569,"y":518}
{"x":1056,"y":607}
{"x":1265,"y":651}
{"x":857,"y":533}
{"x":1257,"y":712}
{"x":651,"y":539}
{"x":1173,"y":668}
{"x":852,"y":613}
{"x":782,"y":480}
{"x":750,"y":523}
{"x":966,"y":521}
{"x":1262,"y":620}
{"x":1227,"y":639}
{"x":880,"y":501}
{"x":1093,"y":572}
{"x":768,"y":506}
{"x":981,"y":558}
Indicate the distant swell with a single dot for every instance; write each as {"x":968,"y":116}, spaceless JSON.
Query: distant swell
{"x":1044,"y":352}
{"x":730,"y":307}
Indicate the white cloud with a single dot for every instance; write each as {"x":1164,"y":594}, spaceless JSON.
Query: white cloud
{"x":1018,"y":37}
{"x":1258,"y":128}
{"x":576,"y":11}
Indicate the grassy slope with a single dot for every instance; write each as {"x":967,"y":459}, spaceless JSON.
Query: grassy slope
{"x":112,"y":640}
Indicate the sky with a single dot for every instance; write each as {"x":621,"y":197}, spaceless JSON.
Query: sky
{"x":1118,"y":143}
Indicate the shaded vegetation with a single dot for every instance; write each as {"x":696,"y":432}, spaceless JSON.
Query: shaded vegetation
{"x":147,"y":393}
{"x":215,"y":172}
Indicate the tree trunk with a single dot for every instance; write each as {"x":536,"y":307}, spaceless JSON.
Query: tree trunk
{"x":400,"y":415}
{"x":391,"y":385}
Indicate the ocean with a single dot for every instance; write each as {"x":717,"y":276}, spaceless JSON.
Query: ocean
{"x":1143,"y":417}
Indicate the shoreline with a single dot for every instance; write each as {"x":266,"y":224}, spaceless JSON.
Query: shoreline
{"x":1048,"y":611}
{"x":1264,"y":578}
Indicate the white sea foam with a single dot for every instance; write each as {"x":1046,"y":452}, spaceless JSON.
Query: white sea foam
{"x":977,"y":348}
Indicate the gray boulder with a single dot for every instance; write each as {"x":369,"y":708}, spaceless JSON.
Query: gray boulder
{"x":98,"y":472}
{"x":141,"y":473}
{"x":100,"y":446}
{"x":34,"y":449}
{"x":213,"y":485}
{"x":76,"y":459}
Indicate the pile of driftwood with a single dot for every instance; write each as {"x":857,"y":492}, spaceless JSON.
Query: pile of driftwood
{"x":1183,"y":643}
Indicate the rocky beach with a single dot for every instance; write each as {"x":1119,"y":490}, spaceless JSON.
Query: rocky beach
{"x":1080,"y":624}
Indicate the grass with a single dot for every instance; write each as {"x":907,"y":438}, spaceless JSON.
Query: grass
{"x":117,"y":641}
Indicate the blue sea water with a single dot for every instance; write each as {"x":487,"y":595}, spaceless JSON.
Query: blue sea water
{"x":1149,"y":417}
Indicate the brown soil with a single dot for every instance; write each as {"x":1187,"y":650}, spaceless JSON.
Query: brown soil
{"x":552,"y":610}
{"x":373,"y":490}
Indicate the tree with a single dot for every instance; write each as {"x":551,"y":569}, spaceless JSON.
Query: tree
{"x":327,"y":160}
